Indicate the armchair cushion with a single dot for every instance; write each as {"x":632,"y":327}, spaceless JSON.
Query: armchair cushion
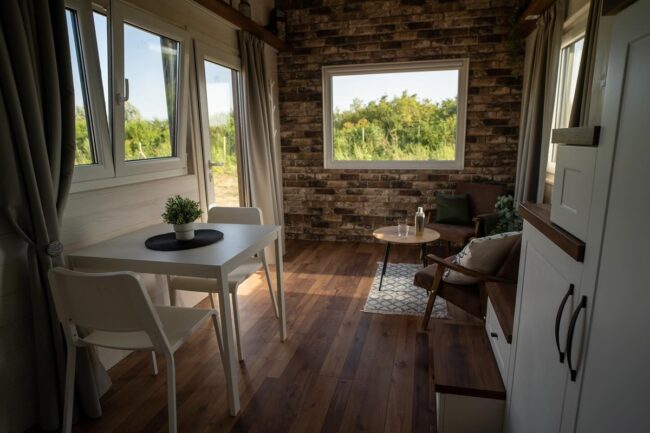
{"x":453,"y":209}
{"x":453,"y":233}
{"x":485,"y":255}
{"x":467,"y":297}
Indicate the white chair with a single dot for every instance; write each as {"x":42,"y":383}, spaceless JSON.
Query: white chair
{"x":118,"y":313}
{"x":229,"y":215}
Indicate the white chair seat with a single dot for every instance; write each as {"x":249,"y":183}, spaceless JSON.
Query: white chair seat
{"x":209,"y":285}
{"x":178,"y":324}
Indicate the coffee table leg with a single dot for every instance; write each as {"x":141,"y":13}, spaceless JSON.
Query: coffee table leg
{"x":383,"y":270}
{"x":423,"y":255}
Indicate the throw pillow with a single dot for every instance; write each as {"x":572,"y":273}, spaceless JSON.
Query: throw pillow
{"x":483,"y":255}
{"x":453,"y":209}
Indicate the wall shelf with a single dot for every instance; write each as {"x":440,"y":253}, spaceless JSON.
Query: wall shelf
{"x":239,"y":20}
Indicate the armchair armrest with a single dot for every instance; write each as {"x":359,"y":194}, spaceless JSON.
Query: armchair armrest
{"x":484,"y":223}
{"x":447,"y":264}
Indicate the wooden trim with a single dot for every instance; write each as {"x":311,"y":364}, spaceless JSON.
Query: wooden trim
{"x":242,"y":22}
{"x":612,"y":7}
{"x":526,"y":21}
{"x":463,"y":361}
{"x":586,"y":136}
{"x":539,"y":215}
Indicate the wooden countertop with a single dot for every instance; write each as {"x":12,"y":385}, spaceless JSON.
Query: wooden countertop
{"x":539,"y":215}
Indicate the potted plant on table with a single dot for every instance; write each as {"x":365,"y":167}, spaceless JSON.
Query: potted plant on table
{"x":181,"y":212}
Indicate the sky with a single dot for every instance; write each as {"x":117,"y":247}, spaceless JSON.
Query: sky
{"x":434,"y":85}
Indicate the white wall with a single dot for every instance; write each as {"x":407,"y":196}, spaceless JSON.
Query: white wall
{"x":93,"y":216}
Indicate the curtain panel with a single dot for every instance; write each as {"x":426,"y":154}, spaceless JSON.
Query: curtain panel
{"x":37,"y":145}
{"x":538,"y":94}
{"x":262,"y":178}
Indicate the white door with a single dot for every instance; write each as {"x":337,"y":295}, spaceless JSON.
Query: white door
{"x":616,"y":379}
{"x":218,"y":82}
{"x":538,"y":377}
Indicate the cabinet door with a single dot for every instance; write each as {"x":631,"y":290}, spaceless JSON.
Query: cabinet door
{"x":538,"y":378}
{"x":616,"y":379}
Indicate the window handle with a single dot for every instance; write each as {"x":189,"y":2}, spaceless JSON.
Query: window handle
{"x":122,"y":98}
{"x":215,"y":164}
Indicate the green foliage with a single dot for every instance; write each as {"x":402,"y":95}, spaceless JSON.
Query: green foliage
{"x":402,"y":128}
{"x":181,"y":210}
{"x":143,"y":139}
{"x":83,"y":155}
{"x":222,"y":144}
{"x":509,"y":219}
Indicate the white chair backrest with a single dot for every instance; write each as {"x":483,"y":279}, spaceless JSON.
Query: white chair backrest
{"x":112,"y":302}
{"x":235,"y":215}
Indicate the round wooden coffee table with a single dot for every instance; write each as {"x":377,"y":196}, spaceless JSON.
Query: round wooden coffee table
{"x":389,"y":235}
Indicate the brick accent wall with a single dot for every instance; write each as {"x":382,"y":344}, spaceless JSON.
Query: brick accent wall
{"x":347,"y":205}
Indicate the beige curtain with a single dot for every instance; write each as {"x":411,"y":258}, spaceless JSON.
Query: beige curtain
{"x":582,"y":97}
{"x":37,"y":149}
{"x":262,"y":176}
{"x":538,"y":95}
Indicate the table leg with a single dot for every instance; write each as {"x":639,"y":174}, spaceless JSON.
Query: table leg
{"x":423,"y":255}
{"x":230,"y":362}
{"x":383,"y":269}
{"x":279,"y":285}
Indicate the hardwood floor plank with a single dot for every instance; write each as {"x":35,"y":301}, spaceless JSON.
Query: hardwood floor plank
{"x":340,"y":371}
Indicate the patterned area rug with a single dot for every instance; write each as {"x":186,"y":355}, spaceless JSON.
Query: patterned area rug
{"x":398,"y":295}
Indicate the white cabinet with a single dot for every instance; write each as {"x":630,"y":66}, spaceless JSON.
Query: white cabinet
{"x":537,"y":376}
{"x":498,"y":341}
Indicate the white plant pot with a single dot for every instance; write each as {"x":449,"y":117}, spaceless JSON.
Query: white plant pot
{"x":184,"y":232}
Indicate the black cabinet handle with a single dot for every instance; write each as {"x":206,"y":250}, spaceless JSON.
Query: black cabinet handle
{"x":558,"y":319}
{"x":569,"y":338}
{"x":494,"y":335}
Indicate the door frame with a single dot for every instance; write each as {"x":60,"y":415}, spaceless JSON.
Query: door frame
{"x":208,"y":52}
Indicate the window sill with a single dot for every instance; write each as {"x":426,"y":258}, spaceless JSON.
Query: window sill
{"x":91,"y":185}
{"x":395,"y":165}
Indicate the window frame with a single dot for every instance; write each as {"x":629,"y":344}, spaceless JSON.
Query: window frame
{"x":108,"y":130}
{"x":329,"y":72}
{"x":574,"y":29}
{"x":212,"y":53}
{"x":121,"y":14}
{"x":98,"y":126}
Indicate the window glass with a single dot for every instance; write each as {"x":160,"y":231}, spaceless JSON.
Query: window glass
{"x":221,"y":120}
{"x":566,"y":87}
{"x":85,"y":153}
{"x":151,"y":74}
{"x":101,"y":33}
{"x":396,"y":116}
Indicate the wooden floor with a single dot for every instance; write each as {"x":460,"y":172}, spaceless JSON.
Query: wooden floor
{"x":340,"y":370}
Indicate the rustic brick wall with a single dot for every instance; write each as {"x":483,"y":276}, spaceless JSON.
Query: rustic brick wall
{"x":348,"y":204}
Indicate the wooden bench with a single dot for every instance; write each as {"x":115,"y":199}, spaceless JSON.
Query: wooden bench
{"x":470,"y":395}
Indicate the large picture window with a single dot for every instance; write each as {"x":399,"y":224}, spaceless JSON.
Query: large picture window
{"x":392,"y":116}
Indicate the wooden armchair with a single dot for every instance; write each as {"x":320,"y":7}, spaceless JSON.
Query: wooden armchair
{"x":482,"y":199}
{"x":472,"y":298}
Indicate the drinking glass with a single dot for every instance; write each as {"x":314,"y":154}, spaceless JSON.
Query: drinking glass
{"x":402,"y":228}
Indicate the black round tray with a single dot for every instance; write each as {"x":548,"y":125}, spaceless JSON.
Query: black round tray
{"x":168,"y":241}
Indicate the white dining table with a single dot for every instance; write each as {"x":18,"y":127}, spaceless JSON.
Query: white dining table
{"x":239,"y":243}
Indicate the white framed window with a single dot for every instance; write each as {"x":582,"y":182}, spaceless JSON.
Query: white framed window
{"x":573,"y":39}
{"x":409,"y":115}
{"x":129,"y":72}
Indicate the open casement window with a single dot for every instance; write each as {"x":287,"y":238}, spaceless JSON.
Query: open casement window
{"x":150,"y":96}
{"x":218,"y":77}
{"x":129,"y":72}
{"x":93,"y":157}
{"x":567,"y":76}
{"x":408,"y":115}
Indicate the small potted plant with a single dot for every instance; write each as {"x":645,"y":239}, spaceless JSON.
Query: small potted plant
{"x":181,"y":212}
